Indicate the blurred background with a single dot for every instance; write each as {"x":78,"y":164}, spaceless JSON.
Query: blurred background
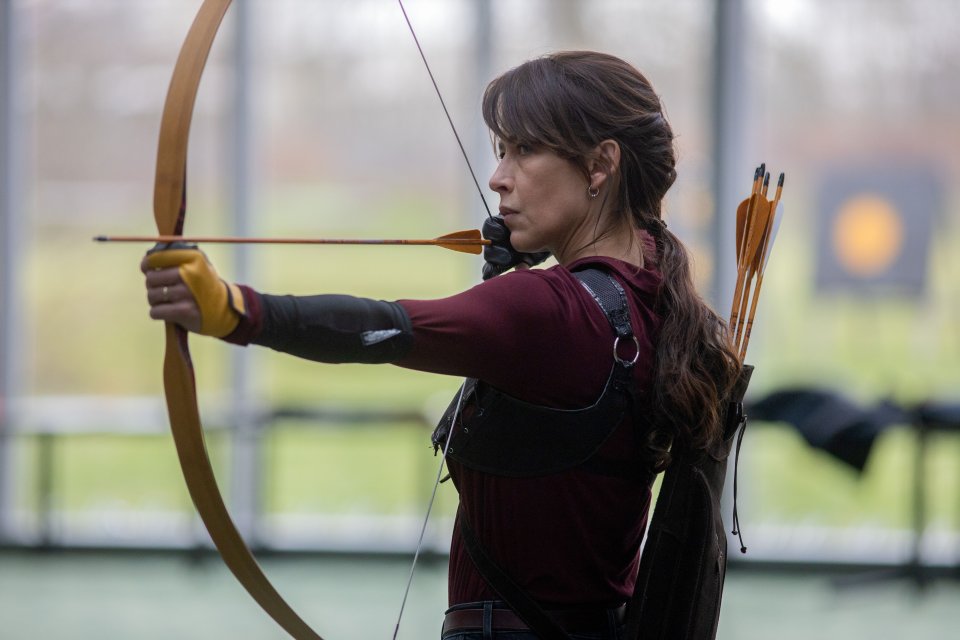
{"x":317,"y":118}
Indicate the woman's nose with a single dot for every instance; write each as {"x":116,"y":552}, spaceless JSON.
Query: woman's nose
{"x":500,"y":181}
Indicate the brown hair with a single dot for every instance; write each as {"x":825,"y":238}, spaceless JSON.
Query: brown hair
{"x":570,"y":102}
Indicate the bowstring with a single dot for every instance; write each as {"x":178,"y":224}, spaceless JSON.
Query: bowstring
{"x":443,"y":104}
{"x":426,"y":519}
{"x":456,"y":413}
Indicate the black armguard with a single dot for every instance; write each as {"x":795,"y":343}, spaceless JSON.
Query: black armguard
{"x":336,"y":328}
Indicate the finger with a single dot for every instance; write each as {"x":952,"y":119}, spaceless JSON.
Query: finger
{"x":149,"y":264}
{"x":167,"y":294}
{"x":492,"y":270}
{"x":498,"y":255}
{"x":184,"y":313}
{"x":533,"y":259}
{"x":163,"y":277}
{"x":494,"y":229}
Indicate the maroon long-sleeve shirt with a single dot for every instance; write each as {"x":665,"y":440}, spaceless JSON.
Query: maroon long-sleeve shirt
{"x":573,"y":538}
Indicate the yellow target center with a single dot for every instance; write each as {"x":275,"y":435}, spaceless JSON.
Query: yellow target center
{"x":867,"y":235}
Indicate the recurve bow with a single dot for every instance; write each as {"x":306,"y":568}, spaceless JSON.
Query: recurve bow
{"x":178,"y":374}
{"x":169,"y":210}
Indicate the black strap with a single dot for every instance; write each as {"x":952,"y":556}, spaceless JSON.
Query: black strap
{"x":612,"y":299}
{"x":610,"y":296}
{"x":509,"y":591}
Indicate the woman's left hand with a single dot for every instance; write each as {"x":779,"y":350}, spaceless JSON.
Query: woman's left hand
{"x":184,"y":288}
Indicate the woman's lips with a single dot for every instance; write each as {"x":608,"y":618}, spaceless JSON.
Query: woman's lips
{"x":507,"y":211}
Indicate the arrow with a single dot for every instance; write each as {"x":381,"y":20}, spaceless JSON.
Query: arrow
{"x":469,"y":241}
{"x":757,"y":223}
{"x":746,"y":215}
{"x":771,"y":235}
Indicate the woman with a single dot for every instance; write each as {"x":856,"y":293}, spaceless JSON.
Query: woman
{"x":586,"y":157}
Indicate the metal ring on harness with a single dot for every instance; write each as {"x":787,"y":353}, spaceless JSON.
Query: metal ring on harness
{"x":636,"y":352}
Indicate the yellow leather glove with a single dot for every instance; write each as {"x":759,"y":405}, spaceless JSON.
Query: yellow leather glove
{"x":221,"y":303}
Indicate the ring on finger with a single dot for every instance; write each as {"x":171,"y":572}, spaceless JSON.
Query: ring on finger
{"x":165,"y":292}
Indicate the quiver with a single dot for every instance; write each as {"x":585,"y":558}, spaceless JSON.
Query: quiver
{"x":684,"y":558}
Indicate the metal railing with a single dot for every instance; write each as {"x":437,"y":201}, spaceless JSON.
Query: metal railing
{"x":44,"y":422}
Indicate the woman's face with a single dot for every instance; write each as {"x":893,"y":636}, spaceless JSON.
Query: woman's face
{"x":543,"y":198}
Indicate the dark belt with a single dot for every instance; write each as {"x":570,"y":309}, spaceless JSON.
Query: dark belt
{"x":506,"y":620}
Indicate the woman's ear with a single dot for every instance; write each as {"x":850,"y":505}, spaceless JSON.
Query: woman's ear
{"x":604,"y":163}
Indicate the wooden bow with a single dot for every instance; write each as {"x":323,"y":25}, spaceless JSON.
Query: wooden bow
{"x":169,"y":209}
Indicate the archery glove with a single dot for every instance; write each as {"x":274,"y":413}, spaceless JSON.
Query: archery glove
{"x":500,"y":254}
{"x":221,"y":303}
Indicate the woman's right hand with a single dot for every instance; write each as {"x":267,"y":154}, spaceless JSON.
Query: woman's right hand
{"x":500,"y":255}
{"x":183,"y":287}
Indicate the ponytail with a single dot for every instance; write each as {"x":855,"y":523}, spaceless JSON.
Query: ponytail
{"x":695,"y":365}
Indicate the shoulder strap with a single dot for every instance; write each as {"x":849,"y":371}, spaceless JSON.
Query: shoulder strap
{"x":612,"y":299}
{"x":610,"y":296}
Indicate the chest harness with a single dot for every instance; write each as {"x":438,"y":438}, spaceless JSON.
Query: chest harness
{"x":498,"y":434}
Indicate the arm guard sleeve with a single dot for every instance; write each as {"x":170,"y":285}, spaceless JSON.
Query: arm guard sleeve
{"x":335,"y":328}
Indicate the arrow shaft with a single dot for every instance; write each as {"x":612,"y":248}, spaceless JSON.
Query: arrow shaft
{"x":352,"y":241}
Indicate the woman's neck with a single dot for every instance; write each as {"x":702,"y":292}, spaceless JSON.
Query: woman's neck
{"x":621,"y":244}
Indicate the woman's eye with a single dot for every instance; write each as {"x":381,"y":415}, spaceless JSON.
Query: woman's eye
{"x":517,"y":149}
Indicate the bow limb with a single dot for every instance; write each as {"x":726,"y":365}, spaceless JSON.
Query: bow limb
{"x":178,"y":375}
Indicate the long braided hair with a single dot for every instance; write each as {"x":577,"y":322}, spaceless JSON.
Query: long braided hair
{"x":571,"y":101}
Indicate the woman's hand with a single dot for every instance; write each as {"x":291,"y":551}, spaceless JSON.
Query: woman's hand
{"x":169,"y":298}
{"x":184,"y":288}
{"x":500,"y":255}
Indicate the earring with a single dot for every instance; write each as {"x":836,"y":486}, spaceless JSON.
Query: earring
{"x":593,"y":193}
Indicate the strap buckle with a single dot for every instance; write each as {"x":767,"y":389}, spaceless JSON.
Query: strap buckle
{"x":616,"y":351}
